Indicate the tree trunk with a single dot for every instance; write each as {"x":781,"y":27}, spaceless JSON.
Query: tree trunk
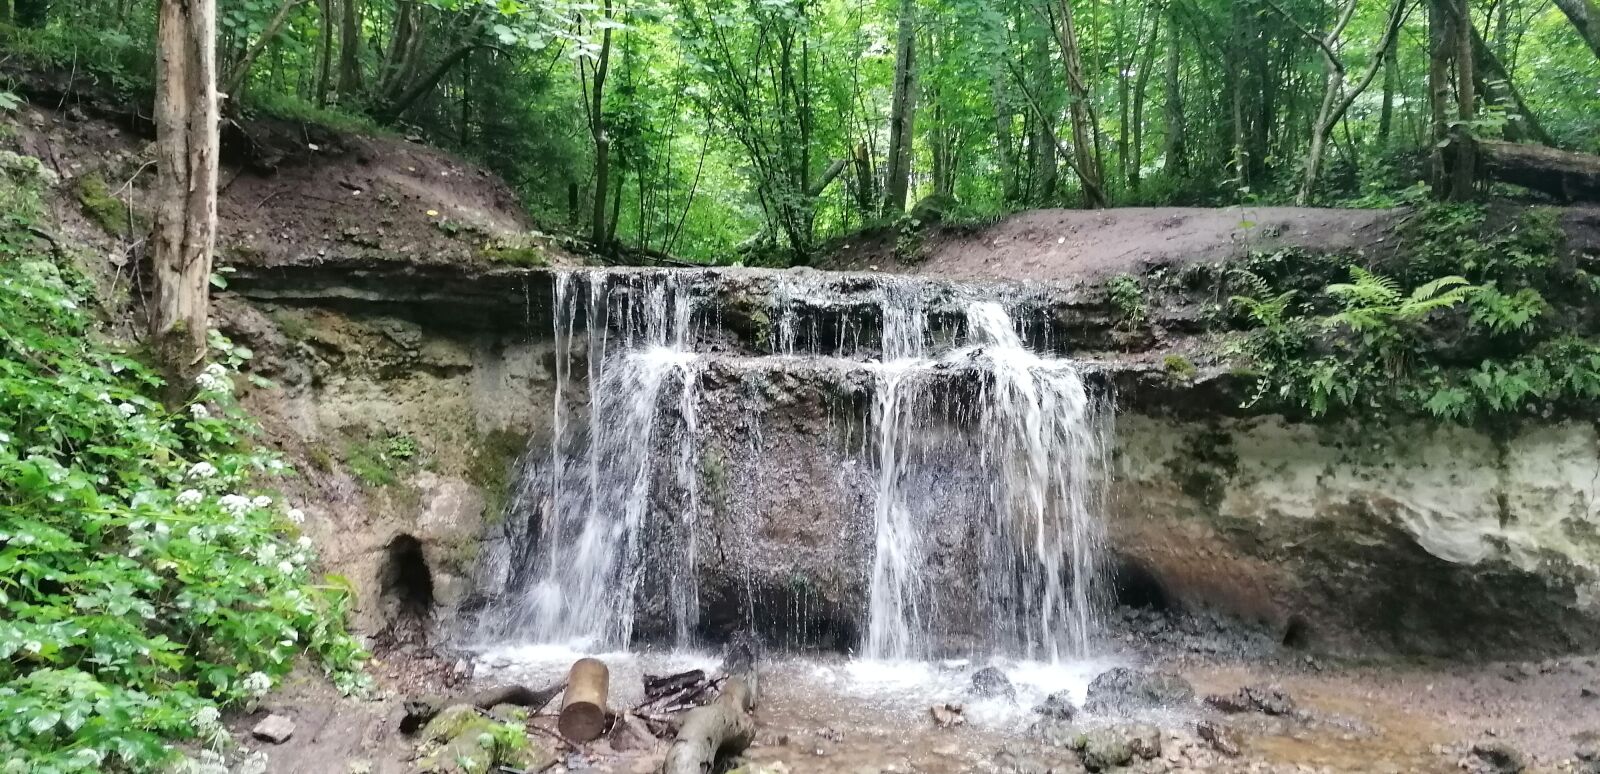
{"x":1086,"y":160}
{"x":1488,"y":64}
{"x":325,"y":65}
{"x":1005,"y":149}
{"x":902,"y":112}
{"x":1391,"y":82}
{"x":186,"y":190}
{"x":1335,"y":102}
{"x":1141,"y":81}
{"x":722,"y":728}
{"x":1464,"y":170}
{"x":1564,"y":175}
{"x":866,"y":181}
{"x":583,"y":707}
{"x":349,"y":50}
{"x":421,"y":88}
{"x":1172,"y":110}
{"x":1582,"y":13}
{"x":597,"y":130}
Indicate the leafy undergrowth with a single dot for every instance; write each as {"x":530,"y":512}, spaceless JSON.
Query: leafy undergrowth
{"x":147,"y":581}
{"x":1476,"y":319}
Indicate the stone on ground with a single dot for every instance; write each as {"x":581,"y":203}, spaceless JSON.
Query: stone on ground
{"x":991,"y":683}
{"x":273,"y":728}
{"x":1123,"y":691}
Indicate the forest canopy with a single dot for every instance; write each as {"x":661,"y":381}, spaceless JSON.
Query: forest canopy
{"x":756,"y":130}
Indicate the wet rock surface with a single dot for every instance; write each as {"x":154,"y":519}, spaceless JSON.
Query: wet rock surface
{"x":1123,"y":691}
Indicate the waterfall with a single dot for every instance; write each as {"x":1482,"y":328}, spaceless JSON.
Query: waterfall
{"x":1041,"y":445}
{"x":982,"y":461}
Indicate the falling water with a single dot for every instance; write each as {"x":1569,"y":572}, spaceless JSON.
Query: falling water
{"x":595,"y":499}
{"x":967,"y":427}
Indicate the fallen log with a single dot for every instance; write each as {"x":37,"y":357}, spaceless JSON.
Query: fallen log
{"x":1563,"y":175}
{"x":724,"y":727}
{"x":421,"y":709}
{"x":583,"y":708}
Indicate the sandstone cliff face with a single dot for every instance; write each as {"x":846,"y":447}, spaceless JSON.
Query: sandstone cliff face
{"x":1416,"y":538}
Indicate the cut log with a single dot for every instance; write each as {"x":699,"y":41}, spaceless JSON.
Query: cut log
{"x":1564,"y":175}
{"x":723,"y":728}
{"x":583,"y":709}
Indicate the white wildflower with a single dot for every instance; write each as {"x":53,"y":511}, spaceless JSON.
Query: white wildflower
{"x":206,"y":717}
{"x":304,"y":542}
{"x":275,"y":465}
{"x":103,"y":398}
{"x":285,"y":568}
{"x":199,"y":411}
{"x":4,"y":439}
{"x":296,"y":515}
{"x":237,"y":505}
{"x":267,"y":553}
{"x":202,"y":470}
{"x":257,"y":683}
{"x":261,"y":501}
{"x":162,"y":528}
{"x":127,"y":409}
{"x":189,"y":497}
{"x":216,"y":370}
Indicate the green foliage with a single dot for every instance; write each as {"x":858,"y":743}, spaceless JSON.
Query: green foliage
{"x":1179,"y":367}
{"x":1446,"y":347}
{"x":1128,"y":297}
{"x":146,"y":580}
{"x":381,"y":460}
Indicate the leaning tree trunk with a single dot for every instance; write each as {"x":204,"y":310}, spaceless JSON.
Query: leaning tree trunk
{"x":602,"y":142}
{"x":722,"y":728}
{"x":186,"y":188}
{"x":1586,"y":18}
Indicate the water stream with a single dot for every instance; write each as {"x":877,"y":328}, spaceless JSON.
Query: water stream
{"x":984,"y":461}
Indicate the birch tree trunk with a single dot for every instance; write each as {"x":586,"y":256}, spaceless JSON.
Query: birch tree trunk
{"x":186,"y":189}
{"x":902,"y":111}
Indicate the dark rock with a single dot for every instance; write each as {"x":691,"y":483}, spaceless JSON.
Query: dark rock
{"x":1588,"y":693}
{"x":1057,"y":706}
{"x":1253,"y":698}
{"x":1219,"y":737}
{"x":990,"y":683}
{"x":273,"y":728}
{"x":1122,"y":690}
{"x":1497,"y":758}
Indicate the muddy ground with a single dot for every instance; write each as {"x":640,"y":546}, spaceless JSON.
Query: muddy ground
{"x":823,"y":715}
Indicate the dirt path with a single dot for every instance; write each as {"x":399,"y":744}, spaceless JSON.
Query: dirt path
{"x":1062,"y":245}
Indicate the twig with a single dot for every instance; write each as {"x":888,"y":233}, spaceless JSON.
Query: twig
{"x":575,"y":747}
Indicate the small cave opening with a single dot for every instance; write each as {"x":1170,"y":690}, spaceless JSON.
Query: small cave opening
{"x":1135,"y":586}
{"x":405,"y":588}
{"x":1297,"y":633}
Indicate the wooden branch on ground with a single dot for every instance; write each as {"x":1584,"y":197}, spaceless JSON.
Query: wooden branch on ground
{"x":1564,"y":175}
{"x":722,"y":728}
{"x":422,"y":709}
